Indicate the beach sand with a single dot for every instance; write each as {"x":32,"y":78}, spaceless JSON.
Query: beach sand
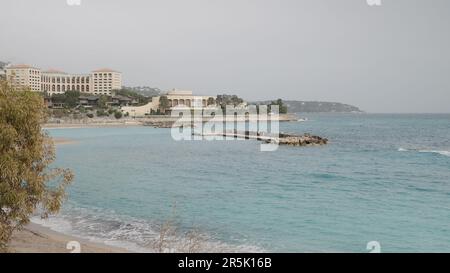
{"x":38,"y":239}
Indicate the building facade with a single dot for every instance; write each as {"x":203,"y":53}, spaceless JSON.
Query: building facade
{"x":58,"y":82}
{"x":174,"y":98}
{"x":98,"y":82}
{"x":24,"y":76}
{"x":105,"y":80}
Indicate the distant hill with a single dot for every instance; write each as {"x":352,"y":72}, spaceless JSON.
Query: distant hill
{"x":144,"y":90}
{"x":317,"y":107}
{"x":3,"y":64}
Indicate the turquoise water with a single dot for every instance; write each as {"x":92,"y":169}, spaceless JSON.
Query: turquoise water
{"x":382,"y":178}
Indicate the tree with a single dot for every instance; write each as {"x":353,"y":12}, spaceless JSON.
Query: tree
{"x":58,"y":98}
{"x":118,"y":114}
{"x":101,"y":113}
{"x":134,"y":95}
{"x":71,"y":98}
{"x":102,"y":101}
{"x":224,"y":100}
{"x":26,"y":152}
{"x":282,"y":108}
{"x":163,"y":103}
{"x":211,"y":101}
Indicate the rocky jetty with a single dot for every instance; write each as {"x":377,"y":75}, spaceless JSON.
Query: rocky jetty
{"x":299,"y":140}
{"x":281,"y":139}
{"x":158,"y":124}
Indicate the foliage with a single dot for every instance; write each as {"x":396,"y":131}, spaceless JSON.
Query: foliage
{"x":163,"y":104}
{"x":145,"y":91}
{"x":118,"y":114}
{"x":72,"y":98}
{"x":101,"y":113}
{"x":282,"y":107}
{"x":224,"y":100}
{"x":102,"y":101}
{"x":69,"y":98}
{"x":59,"y":113}
{"x":211,"y":101}
{"x":26,"y":152}
{"x":134,"y":95}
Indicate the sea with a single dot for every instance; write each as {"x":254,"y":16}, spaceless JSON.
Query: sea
{"x":383,"y":179}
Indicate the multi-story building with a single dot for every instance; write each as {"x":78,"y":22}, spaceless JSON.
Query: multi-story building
{"x":58,"y":82}
{"x":105,"y":80}
{"x":98,"y":82}
{"x":23,"y":75}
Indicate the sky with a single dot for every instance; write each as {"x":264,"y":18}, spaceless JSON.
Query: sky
{"x":389,"y":58}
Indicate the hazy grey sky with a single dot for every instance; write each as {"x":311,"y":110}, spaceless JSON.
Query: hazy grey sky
{"x":393,"y":58}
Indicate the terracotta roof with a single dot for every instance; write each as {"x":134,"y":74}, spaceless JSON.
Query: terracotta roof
{"x":105,"y":70}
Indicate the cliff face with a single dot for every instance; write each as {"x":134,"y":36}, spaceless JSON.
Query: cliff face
{"x":319,"y":106}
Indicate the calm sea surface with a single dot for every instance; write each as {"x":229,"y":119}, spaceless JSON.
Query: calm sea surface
{"x":382,"y":178}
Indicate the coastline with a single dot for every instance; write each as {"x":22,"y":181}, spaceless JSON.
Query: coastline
{"x":143,"y":121}
{"x":89,"y":124}
{"x":34,"y":238}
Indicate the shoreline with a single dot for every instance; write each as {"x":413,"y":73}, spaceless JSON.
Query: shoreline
{"x":93,"y":124}
{"x":143,"y":121}
{"x":35,"y":238}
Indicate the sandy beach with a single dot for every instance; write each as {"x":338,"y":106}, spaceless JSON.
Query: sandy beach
{"x":38,"y":239}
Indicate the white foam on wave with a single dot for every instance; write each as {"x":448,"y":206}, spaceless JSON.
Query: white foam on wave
{"x":132,"y":234}
{"x":440,"y":152}
{"x":444,"y":153}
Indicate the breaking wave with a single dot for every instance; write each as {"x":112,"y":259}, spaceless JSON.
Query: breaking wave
{"x":444,"y":153}
{"x":135,"y":235}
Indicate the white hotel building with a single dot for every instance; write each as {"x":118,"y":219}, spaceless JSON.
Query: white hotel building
{"x":98,"y":82}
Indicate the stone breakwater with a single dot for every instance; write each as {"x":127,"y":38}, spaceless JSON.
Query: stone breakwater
{"x":299,"y":140}
{"x":159,"y":124}
{"x":281,"y":139}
